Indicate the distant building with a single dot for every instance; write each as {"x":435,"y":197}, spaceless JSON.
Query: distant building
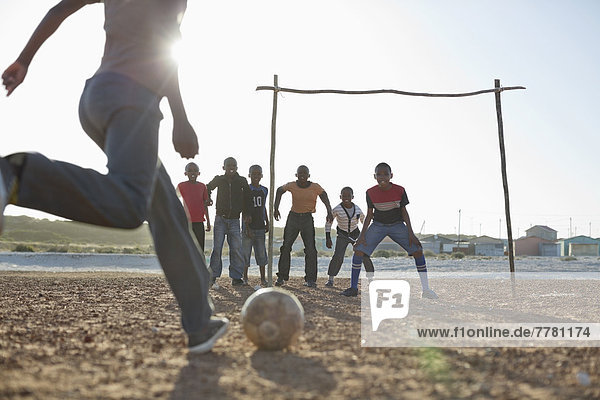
{"x":389,"y":244}
{"x":549,"y":249}
{"x":487,"y":246}
{"x":530,"y":245}
{"x":435,"y":243}
{"x":541,"y":231}
{"x":580,"y":246}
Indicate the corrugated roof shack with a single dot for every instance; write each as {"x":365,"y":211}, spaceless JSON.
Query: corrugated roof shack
{"x":530,"y":245}
{"x":541,"y":231}
{"x":487,"y":246}
{"x":435,"y":243}
{"x":580,"y":246}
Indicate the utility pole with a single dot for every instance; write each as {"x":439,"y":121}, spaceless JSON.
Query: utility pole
{"x":570,"y":227}
{"x":459,"y":228}
{"x":500,"y":228}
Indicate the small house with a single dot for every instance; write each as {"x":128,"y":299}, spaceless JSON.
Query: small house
{"x":541,"y":231}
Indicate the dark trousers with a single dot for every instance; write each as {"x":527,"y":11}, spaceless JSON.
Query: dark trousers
{"x":341,"y":244}
{"x":304,"y":225}
{"x":199,"y":232}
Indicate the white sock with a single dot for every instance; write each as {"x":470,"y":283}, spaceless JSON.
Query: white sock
{"x":424,"y":280}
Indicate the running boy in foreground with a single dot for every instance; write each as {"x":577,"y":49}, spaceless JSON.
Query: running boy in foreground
{"x":119,"y":110}
{"x":386,"y":204}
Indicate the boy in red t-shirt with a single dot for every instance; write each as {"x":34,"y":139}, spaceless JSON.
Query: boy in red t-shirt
{"x":194,"y":195}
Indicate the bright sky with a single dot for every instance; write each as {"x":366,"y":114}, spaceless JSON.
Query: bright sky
{"x":443,"y":151}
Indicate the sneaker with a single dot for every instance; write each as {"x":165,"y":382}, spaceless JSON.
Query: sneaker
{"x":350,"y":292}
{"x":279,"y":282}
{"x":245,"y":282}
{"x":311,"y":284}
{"x":329,"y":284}
{"x":8,"y":188}
{"x":257,"y":287}
{"x":214,"y":284}
{"x":264,"y":283}
{"x":429,"y":294}
{"x":204,"y":340}
{"x":237,"y":282}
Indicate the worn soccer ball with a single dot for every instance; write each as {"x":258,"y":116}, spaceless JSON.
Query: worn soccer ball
{"x":272,"y":318}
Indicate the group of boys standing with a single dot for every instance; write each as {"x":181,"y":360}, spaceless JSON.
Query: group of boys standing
{"x":234,"y":197}
{"x":386,"y":216}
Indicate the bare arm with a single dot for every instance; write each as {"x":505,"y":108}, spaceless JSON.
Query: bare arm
{"x":278,"y":194}
{"x":412,"y":238}
{"x":207,"y":219}
{"x":368,"y":219}
{"x":325,"y":199}
{"x":185,"y":140}
{"x":15,"y":74}
{"x":267,"y":222}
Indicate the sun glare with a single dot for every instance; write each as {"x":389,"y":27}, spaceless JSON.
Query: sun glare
{"x":177,"y":51}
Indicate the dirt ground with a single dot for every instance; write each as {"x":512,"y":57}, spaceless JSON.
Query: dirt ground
{"x":115,"y":335}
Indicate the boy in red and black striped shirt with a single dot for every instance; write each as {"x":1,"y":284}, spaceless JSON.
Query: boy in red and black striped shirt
{"x":386,"y":204}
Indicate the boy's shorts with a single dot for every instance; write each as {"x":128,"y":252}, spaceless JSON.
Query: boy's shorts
{"x":256,"y":241}
{"x":377,"y":231}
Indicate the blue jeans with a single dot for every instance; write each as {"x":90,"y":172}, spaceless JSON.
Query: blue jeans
{"x":123,"y":118}
{"x":231,"y":228}
{"x":377,"y":231}
{"x":257,"y":240}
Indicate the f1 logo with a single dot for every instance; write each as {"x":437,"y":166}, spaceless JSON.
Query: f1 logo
{"x":389,"y":299}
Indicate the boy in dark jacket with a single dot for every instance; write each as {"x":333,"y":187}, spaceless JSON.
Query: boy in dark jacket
{"x":232,"y":199}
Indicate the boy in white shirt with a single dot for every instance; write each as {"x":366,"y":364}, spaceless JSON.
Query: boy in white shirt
{"x":347,"y":214}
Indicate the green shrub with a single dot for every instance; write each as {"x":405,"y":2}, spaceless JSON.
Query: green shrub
{"x":58,"y":249}
{"x":24,"y":248}
{"x":106,"y":250}
{"x":458,"y":255}
{"x":387,"y":253}
{"x":429,"y":253}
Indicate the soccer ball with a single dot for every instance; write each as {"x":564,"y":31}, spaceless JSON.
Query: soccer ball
{"x":272,"y":318}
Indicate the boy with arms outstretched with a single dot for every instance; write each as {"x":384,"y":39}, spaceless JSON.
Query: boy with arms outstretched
{"x":387,"y":209}
{"x":119,"y":110}
{"x":253,"y":232}
{"x":347,"y":214}
{"x":194,"y":196}
{"x":300,"y":221}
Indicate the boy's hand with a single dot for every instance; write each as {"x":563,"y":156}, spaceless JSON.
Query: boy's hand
{"x":329,"y":216}
{"x":13,"y":76}
{"x":208,"y":202}
{"x":361,"y":240}
{"x":276,"y":214}
{"x":185,"y":140}
{"x":328,"y":243}
{"x":208,"y":227}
